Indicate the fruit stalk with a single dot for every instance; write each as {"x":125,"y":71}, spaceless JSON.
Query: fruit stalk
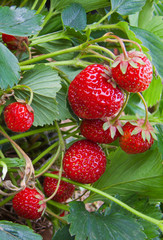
{"x":146,"y":109}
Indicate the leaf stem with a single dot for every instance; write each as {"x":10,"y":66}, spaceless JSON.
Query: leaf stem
{"x":6,"y":200}
{"x":55,"y":215}
{"x":97,"y":47}
{"x":106,"y":16}
{"x":53,"y":54}
{"x":108,"y":196}
{"x":146,"y":109}
{"x":41,"y":7}
{"x":48,"y":164}
{"x":27,"y":47}
{"x":34,"y":4}
{"x":74,"y":62}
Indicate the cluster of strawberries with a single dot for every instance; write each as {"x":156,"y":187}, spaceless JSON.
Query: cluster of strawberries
{"x":97,"y":96}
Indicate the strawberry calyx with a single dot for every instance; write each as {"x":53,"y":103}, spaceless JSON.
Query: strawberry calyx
{"x":134,"y":58}
{"x":113,"y":126}
{"x":147,"y":131}
{"x":108,"y":75}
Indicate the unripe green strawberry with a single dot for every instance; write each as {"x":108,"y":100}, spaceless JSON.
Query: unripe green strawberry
{"x":28,"y":203}
{"x":18,"y":117}
{"x":84,"y":161}
{"x":65,"y":189}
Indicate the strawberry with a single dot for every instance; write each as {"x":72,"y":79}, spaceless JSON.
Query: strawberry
{"x":15,"y":42}
{"x":133,"y":74}
{"x":92,"y":129}
{"x":18,"y":116}
{"x":65,"y":189}
{"x":136,"y":138}
{"x":28,"y":203}
{"x":84,"y":161}
{"x":92,"y":96}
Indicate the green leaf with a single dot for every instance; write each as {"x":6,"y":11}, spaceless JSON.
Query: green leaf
{"x":45,"y":108}
{"x":73,"y":33}
{"x":142,"y":205}
{"x":135,"y":106}
{"x":160,"y":138}
{"x":145,"y":14}
{"x":56,"y":46}
{"x":87,"y":5}
{"x":13,"y":162}
{"x":9,"y":68}
{"x":152,"y":94}
{"x":95,"y":226}
{"x":127,"y":7}
{"x":152,"y":210}
{"x":43,"y":80}
{"x":62,"y":103}
{"x":155,"y":26}
{"x":155,"y":46}
{"x":14,"y":231}
{"x":63,"y":234}
{"x":19,"y":21}
{"x":74,"y":16}
{"x":158,"y":8}
{"x":45,"y":83}
{"x":128,"y":174}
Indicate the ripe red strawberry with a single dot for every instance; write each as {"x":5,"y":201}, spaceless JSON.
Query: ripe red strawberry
{"x":15,"y":42}
{"x":84,"y":162}
{"x":28,"y":203}
{"x":136,"y":139}
{"x":65,"y":189}
{"x":92,"y":96}
{"x":92,"y":129}
{"x":133,"y":74}
{"x":18,"y":116}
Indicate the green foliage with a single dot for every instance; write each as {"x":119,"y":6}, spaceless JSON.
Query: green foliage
{"x":87,"y":5}
{"x":127,"y":174}
{"x":19,"y":21}
{"x":152,"y":95}
{"x":74,"y":16}
{"x":45,"y":83}
{"x":9,"y":68}
{"x":13,"y":231}
{"x":153,"y":43}
{"x":13,"y":162}
{"x":60,"y":43}
{"x":127,"y":7}
{"x":142,"y":205}
{"x":63,"y":234}
{"x":92,"y":226}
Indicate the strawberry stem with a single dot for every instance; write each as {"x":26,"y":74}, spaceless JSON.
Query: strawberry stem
{"x":146,"y":109}
{"x":130,"y":41}
{"x":55,"y":215}
{"x":28,"y":49}
{"x":59,"y":181}
{"x":120,"y":40}
{"x":98,"y":55}
{"x":29,"y":89}
{"x":47,"y":165}
{"x":122,"y":109}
